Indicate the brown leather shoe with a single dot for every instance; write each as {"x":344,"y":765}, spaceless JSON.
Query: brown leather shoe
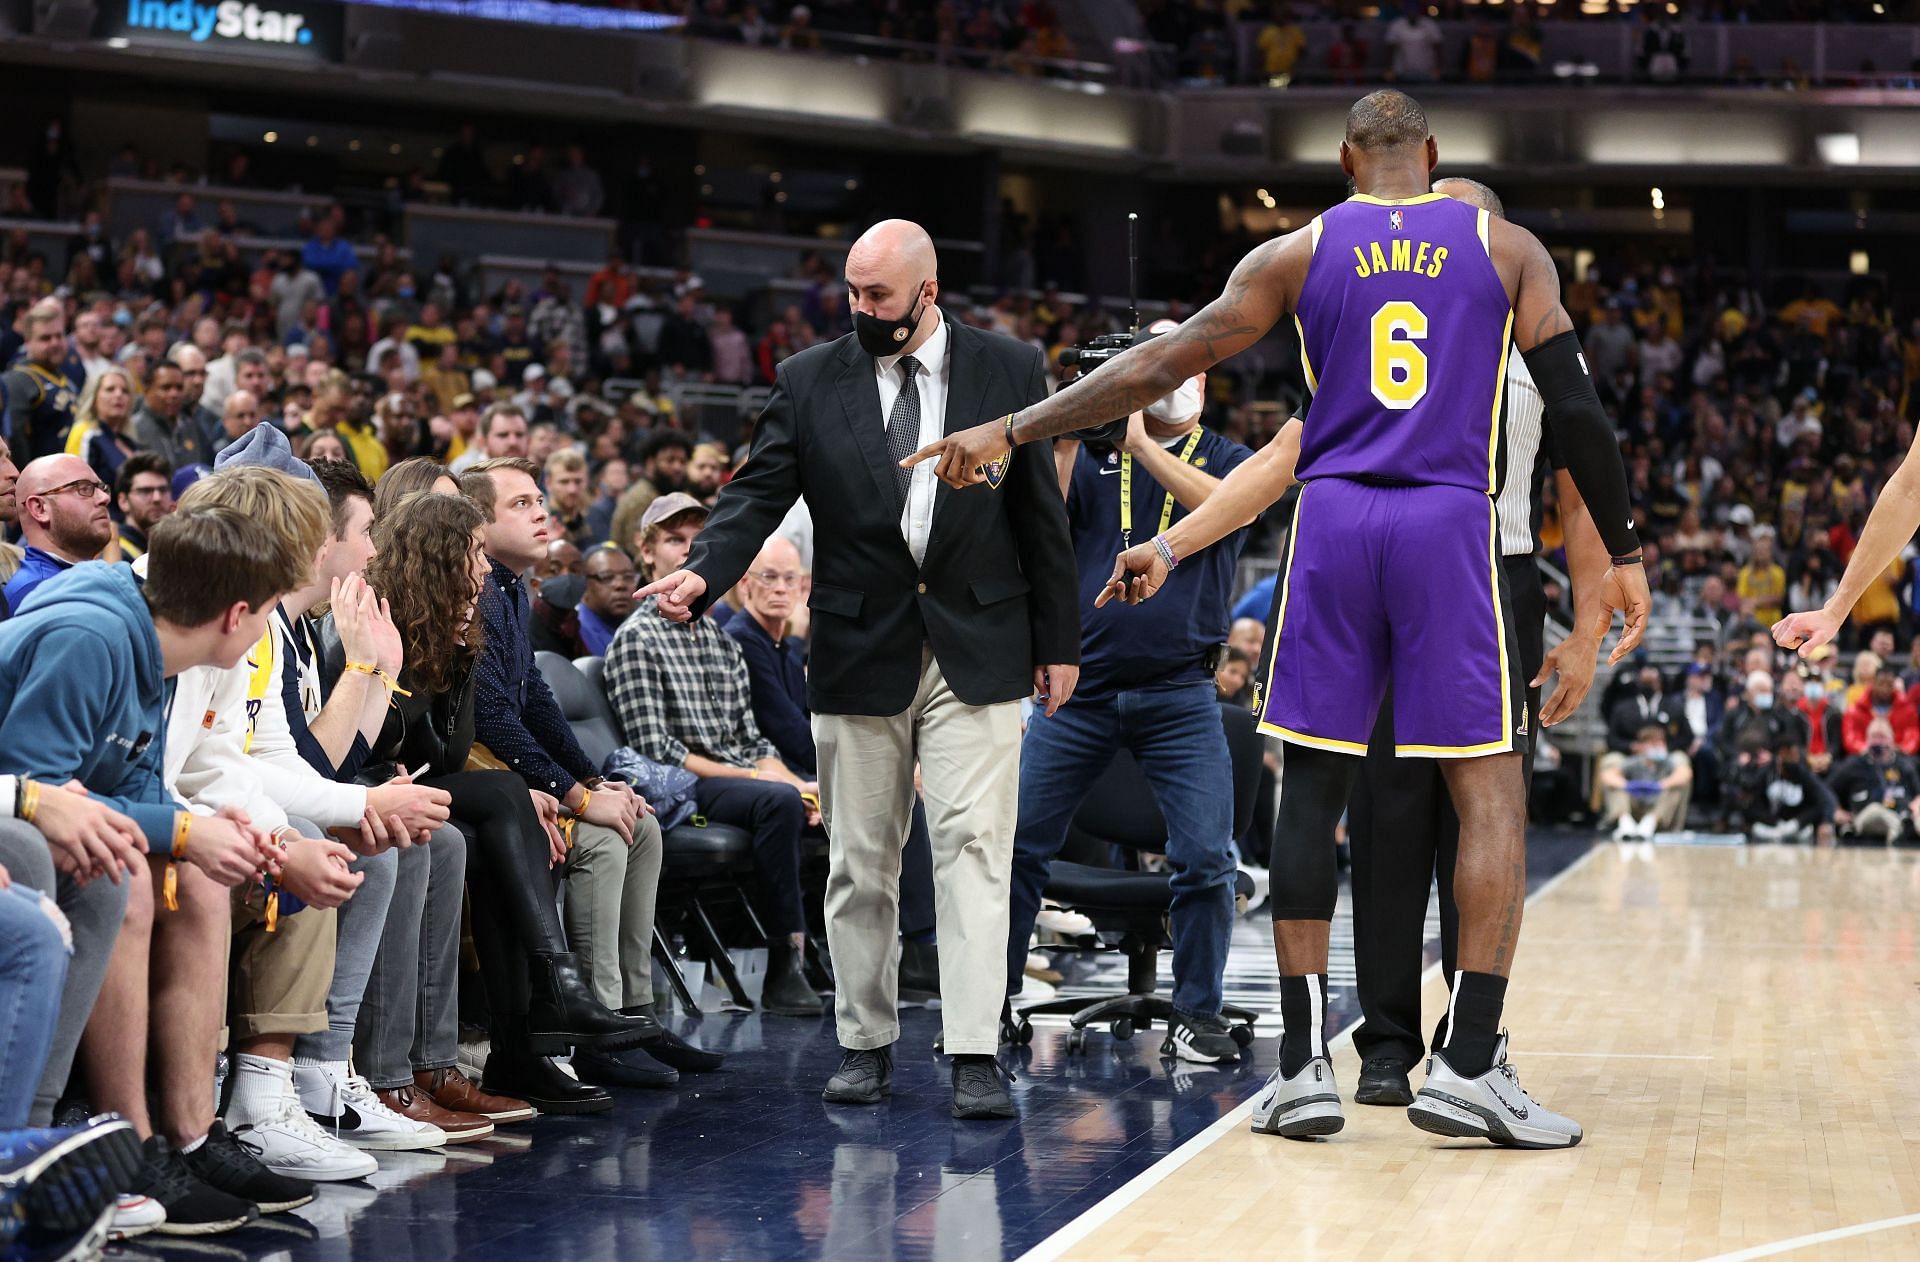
{"x":453,"y":1090}
{"x":413,"y":1103}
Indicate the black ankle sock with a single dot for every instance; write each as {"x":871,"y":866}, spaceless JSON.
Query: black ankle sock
{"x":1303,"y":1012}
{"x":1473,"y":1018}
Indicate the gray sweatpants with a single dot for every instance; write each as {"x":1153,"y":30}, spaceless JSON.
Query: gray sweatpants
{"x":95,"y":911}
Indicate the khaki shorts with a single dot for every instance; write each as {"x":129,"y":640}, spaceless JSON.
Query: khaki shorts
{"x":280,"y":979}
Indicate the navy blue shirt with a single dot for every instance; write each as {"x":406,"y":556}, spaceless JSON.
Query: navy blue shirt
{"x":515,"y":714}
{"x":778,"y":681}
{"x":1165,"y":640}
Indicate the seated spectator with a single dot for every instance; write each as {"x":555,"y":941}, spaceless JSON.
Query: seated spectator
{"x":1882,"y":699}
{"x":1647,"y":704}
{"x":607,"y":600}
{"x":706,"y":469}
{"x":1234,"y":679}
{"x":566,"y":487}
{"x":1825,"y":730}
{"x":162,"y":423}
{"x":1784,"y":801}
{"x":431,"y":566}
{"x":610,"y":481}
{"x":1646,"y":791}
{"x":614,"y":867}
{"x":1702,"y":705}
{"x":63,"y":521}
{"x":102,"y":433}
{"x":1866,"y":666}
{"x":238,"y":415}
{"x":663,"y":470}
{"x":1763,"y":583}
{"x":1751,"y":726}
{"x":1878,"y":789}
{"x":143,"y":492}
{"x":684,"y":699}
{"x":503,"y":436}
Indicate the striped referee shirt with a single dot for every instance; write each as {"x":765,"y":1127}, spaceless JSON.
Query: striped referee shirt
{"x":1518,"y":504}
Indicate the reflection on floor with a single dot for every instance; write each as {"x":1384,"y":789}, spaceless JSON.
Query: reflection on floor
{"x":749,"y":1164}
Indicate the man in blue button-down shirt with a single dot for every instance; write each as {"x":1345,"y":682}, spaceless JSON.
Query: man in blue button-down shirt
{"x":615,"y":864}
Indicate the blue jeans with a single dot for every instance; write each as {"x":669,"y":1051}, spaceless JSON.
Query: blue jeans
{"x":33,"y":971}
{"x":1175,"y":734}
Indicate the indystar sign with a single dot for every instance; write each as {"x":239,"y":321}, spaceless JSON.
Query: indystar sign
{"x":308,"y":31}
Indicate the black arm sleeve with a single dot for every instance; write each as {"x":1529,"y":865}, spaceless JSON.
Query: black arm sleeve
{"x":1584,"y":438}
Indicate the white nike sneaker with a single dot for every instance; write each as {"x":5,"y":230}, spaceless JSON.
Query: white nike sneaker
{"x":348,"y":1108}
{"x":291,"y":1143}
{"x":135,"y":1215}
{"x":1300,"y":1107}
{"x":1493,"y":1107}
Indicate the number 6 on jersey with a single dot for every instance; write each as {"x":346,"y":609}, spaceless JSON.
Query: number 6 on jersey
{"x":1399,"y":366}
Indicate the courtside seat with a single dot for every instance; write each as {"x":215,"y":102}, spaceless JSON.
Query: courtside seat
{"x":1131,"y":905}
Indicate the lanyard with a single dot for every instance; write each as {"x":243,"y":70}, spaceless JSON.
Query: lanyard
{"x":1126,"y":491}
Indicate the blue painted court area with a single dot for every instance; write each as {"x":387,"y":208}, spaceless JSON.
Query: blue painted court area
{"x":749,"y":1164}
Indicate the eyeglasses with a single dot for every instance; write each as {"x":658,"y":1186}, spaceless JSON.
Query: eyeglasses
{"x":87,"y":488}
{"x":773,"y":578}
{"x":148,"y":492}
{"x":614,"y":579}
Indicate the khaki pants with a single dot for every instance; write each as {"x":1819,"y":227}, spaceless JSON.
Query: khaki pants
{"x":280,"y":979}
{"x":609,"y":914}
{"x":969,"y":760}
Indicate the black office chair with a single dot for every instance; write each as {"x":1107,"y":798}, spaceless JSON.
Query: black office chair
{"x":1121,"y":811}
{"x":698,"y":862}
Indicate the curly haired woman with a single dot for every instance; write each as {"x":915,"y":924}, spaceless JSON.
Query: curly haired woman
{"x":430,"y":568}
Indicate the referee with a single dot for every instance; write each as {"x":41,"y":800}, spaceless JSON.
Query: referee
{"x":1402,"y":829}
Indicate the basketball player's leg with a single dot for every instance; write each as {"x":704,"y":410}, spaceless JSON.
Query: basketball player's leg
{"x":1459,"y":696}
{"x":1328,"y":669}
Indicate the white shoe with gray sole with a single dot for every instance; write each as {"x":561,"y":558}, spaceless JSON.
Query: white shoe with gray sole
{"x":1493,"y":1107}
{"x":1301,"y":1107}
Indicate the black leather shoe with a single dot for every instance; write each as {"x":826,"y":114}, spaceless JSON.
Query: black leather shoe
{"x":670,"y":1049}
{"x":980,"y":1090}
{"x":562,"y":1012}
{"x":864,"y":1077}
{"x":919,"y":970}
{"x":786,"y":993}
{"x":541,"y":1083}
{"x":631,"y":1068}
{"x":1384,"y":1081}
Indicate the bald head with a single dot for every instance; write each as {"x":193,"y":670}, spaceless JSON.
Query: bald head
{"x":889,"y":270}
{"x":1473,"y":193}
{"x":1383,"y":121}
{"x":772,"y":587}
{"x":72,"y":524}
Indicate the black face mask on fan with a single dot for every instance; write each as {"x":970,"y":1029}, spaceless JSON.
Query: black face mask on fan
{"x":880,"y":338}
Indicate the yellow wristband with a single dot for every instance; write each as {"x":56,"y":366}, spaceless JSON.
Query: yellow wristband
{"x":182,"y":824}
{"x":29,"y":800}
{"x":586,"y":796}
{"x":367,"y":668}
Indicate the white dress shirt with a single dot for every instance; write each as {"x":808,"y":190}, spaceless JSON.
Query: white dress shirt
{"x":916,"y":520}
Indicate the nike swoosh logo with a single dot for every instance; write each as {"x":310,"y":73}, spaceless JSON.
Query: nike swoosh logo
{"x":1106,"y":472}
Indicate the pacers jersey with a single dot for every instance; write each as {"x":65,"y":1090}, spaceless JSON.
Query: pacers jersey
{"x":1404,"y":328}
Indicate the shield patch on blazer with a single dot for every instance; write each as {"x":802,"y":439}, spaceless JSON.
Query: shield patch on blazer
{"x":996,"y":471}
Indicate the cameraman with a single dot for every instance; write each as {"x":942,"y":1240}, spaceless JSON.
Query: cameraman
{"x":1146,"y":682}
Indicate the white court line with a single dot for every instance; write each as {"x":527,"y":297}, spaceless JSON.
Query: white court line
{"x":1111,"y":1205}
{"x":1818,"y":1237}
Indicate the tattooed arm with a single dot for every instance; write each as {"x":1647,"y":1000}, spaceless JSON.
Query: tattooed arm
{"x":1262,"y":289}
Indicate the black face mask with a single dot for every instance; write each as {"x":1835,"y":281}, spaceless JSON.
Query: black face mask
{"x":880,"y":338}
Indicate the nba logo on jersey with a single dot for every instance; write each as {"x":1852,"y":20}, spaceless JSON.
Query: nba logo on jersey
{"x":1396,"y":221}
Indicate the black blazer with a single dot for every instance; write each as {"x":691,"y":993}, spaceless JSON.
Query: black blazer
{"x":998,"y":593}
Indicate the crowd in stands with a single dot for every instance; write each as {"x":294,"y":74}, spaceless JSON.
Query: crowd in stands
{"x":1199,"y":42}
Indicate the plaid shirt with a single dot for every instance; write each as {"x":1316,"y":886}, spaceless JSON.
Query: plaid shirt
{"x":682,"y":688}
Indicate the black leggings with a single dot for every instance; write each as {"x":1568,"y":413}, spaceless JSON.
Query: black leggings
{"x":1314,"y":787}
{"x":508,"y":880}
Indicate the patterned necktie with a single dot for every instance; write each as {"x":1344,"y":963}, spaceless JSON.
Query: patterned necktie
{"x":903,"y":427}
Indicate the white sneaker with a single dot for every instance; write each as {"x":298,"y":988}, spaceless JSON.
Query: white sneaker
{"x":1493,"y":1107}
{"x":1300,"y":1107}
{"x":1037,"y":990}
{"x":1625,"y":830}
{"x":348,"y":1108}
{"x":291,"y":1143}
{"x":1261,"y":886}
{"x":135,"y":1215}
{"x":1068,"y":924}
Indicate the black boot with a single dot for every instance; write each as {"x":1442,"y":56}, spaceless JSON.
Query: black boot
{"x":541,"y":1083}
{"x":786,"y":993}
{"x":562,"y":1012}
{"x":631,"y":1068}
{"x":671,"y":1050}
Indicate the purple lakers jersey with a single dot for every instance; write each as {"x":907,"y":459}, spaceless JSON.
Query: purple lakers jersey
{"x":1404,"y":329}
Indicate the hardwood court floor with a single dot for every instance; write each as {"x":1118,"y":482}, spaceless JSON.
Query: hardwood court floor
{"x":1738,"y":1029}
